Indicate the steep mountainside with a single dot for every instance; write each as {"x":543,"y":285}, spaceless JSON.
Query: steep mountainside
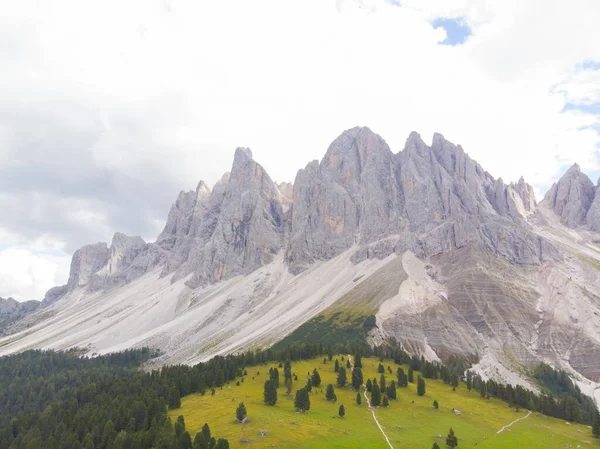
{"x":471,"y":266}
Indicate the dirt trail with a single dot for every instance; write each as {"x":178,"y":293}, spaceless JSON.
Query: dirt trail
{"x":516,"y":420}
{"x":371,"y":409}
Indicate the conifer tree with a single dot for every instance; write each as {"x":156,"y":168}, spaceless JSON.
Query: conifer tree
{"x":435,"y":404}
{"x":302,"y":400}
{"x":385,"y":402}
{"x":469,"y":380}
{"x":375,"y":395}
{"x":382,"y":383}
{"x":411,"y":376}
{"x":357,"y":378}
{"x":380,"y":369}
{"x":330,"y":393}
{"x":357,"y":361}
{"x":270,"y":393}
{"x":241,"y":412}
{"x":274,"y":374}
{"x":358,"y":399}
{"x":287,"y":370}
{"x":316,"y":378}
{"x":336,"y":366}
{"x":435,"y":446}
{"x":596,"y":424}
{"x":402,"y":379}
{"x":451,"y":440}
{"x":391,"y":390}
{"x":369,"y":385}
{"x":206,"y":432}
{"x":341,"y":378}
{"x":482,"y":389}
{"x":420,"y":386}
{"x":342,"y":411}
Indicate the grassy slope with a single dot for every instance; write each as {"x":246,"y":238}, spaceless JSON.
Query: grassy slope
{"x":419,"y":423}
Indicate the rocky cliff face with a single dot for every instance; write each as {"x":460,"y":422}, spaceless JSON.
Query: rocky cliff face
{"x":571,"y":198}
{"x":12,"y":310}
{"x":426,"y":199}
{"x":593,"y":215}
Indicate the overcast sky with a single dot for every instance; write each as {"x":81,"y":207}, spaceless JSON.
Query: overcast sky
{"x":109,"y":108}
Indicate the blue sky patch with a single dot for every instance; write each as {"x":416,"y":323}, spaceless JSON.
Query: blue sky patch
{"x":593,"y":108}
{"x":457,"y":30}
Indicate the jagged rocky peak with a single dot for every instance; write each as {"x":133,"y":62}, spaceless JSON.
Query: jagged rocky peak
{"x":85,"y":263}
{"x":181,"y":215}
{"x":593,"y":215}
{"x":123,"y":251}
{"x":571,"y":197}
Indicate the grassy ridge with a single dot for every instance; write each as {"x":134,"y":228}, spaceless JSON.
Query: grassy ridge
{"x":408,"y":424}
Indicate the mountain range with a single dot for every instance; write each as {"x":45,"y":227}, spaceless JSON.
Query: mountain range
{"x":450,"y":260}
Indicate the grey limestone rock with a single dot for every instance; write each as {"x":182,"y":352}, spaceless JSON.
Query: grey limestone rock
{"x":571,"y":197}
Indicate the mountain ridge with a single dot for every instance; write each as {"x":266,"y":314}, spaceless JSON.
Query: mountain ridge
{"x":249,"y":261}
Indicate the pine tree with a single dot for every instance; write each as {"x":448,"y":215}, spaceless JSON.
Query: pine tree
{"x":435,"y":404}
{"x":302,"y":400}
{"x":375,"y":395}
{"x":358,"y":399}
{"x":380,"y":369}
{"x":274,"y":374}
{"x":316,"y":378}
{"x":369,"y":385}
{"x":336,"y":366}
{"x":348,"y":364}
{"x":385,"y":402}
{"x":469,"y":380}
{"x":222,"y":444}
{"x":596,"y":424}
{"x":451,"y":440}
{"x":391,"y":390}
{"x":289,"y":385}
{"x":185,"y":441}
{"x":270,"y":393}
{"x":435,"y":446}
{"x":341,"y":378}
{"x":308,"y":386}
{"x":241,"y":412}
{"x":357,"y":361}
{"x":357,"y":378}
{"x":329,"y":393}
{"x":411,"y":376}
{"x":482,"y":389}
{"x":342,"y":411}
{"x":382,"y":384}
{"x":420,"y":386}
{"x":402,"y":379}
{"x":206,"y":432}
{"x":287,"y":370}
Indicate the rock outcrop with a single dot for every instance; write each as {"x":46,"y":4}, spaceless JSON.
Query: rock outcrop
{"x":593,"y":215}
{"x":12,"y":310}
{"x":571,"y":197}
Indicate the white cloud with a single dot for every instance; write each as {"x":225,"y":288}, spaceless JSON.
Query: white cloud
{"x":26,"y":275}
{"x":158,"y":94}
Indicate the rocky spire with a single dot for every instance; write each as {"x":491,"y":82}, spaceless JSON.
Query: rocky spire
{"x":571,"y":197}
